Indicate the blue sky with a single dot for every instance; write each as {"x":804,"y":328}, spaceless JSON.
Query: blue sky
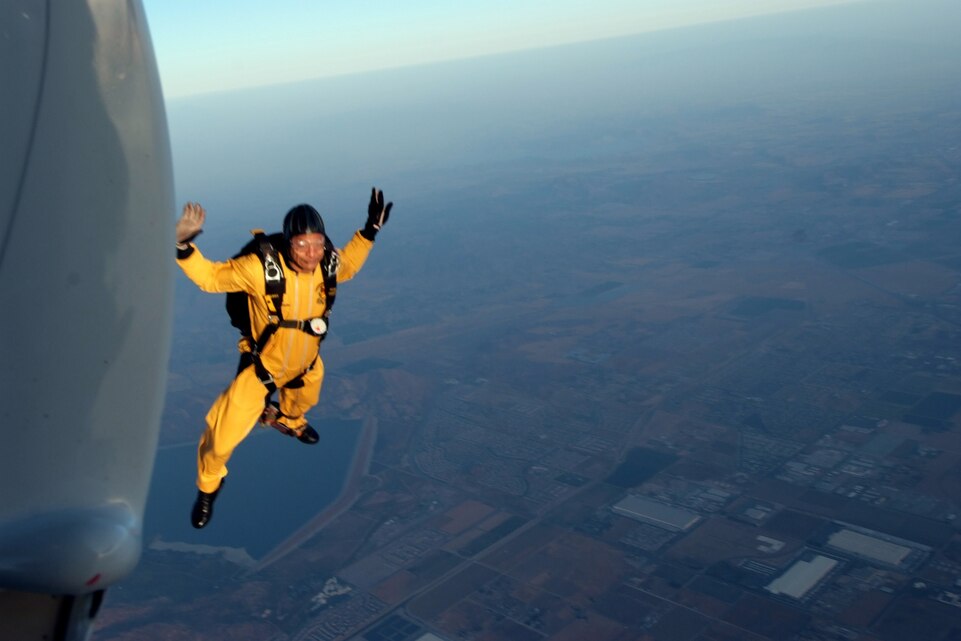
{"x":216,"y":45}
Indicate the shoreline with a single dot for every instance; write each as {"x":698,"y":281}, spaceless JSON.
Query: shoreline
{"x":359,"y":466}
{"x":238,"y":556}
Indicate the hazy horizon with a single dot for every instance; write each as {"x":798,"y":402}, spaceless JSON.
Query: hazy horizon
{"x":247,"y":45}
{"x":506,"y":106}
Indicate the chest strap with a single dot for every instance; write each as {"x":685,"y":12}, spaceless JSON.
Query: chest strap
{"x":314,"y":326}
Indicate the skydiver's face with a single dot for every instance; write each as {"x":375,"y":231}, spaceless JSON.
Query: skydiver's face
{"x":306,"y":252}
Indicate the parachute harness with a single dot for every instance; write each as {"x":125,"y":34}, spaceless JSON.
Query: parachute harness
{"x":275,"y":286}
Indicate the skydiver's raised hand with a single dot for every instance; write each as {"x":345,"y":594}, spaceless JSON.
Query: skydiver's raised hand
{"x":191,"y":223}
{"x":377,"y":214}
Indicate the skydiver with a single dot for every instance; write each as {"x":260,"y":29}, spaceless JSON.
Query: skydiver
{"x":285,"y":357}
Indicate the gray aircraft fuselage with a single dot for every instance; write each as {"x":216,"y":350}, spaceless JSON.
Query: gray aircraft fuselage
{"x":86,"y":201}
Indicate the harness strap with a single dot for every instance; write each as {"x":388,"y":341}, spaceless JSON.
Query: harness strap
{"x":260,"y":343}
{"x":253,"y":358}
{"x":306,"y":326}
{"x":264,"y":375}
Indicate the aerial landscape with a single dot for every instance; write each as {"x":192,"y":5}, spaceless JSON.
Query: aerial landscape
{"x":662,"y":343}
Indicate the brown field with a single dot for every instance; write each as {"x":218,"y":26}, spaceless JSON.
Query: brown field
{"x":464,"y":515}
{"x":431,"y":604}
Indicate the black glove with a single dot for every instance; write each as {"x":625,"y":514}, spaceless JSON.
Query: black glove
{"x":377,"y":214}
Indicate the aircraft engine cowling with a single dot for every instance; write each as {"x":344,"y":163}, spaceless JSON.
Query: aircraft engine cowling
{"x":86,"y":242}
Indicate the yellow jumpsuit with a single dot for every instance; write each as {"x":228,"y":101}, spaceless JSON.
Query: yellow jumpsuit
{"x":288,"y":354}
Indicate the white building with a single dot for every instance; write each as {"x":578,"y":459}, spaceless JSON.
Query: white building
{"x":655,"y":513}
{"x":802,"y":577}
{"x":869,"y":547}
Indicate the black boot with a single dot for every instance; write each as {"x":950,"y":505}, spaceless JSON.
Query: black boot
{"x":204,"y":506}
{"x":308,"y":435}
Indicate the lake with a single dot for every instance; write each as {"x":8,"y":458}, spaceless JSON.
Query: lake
{"x":275,"y":485}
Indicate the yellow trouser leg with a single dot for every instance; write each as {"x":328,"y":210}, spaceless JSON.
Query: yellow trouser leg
{"x":296,"y":402}
{"x":229,"y":421}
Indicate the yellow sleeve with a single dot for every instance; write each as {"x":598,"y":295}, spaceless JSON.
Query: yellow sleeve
{"x":353,"y":256}
{"x":243,"y":274}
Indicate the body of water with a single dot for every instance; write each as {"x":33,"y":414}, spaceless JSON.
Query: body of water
{"x":275,"y":485}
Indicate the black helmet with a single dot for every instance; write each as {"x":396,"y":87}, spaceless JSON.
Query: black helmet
{"x":302,"y":219}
